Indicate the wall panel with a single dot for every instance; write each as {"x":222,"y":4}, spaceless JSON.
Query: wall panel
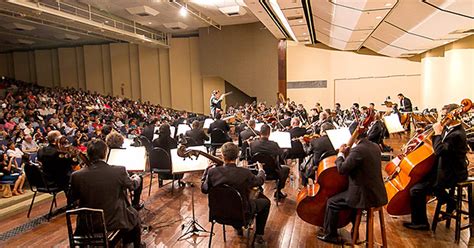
{"x":55,"y":67}
{"x":106,"y":69}
{"x":196,"y":76}
{"x":134,"y":72}
{"x":68,"y":67}
{"x":44,"y":67}
{"x":81,"y":73}
{"x":180,"y":74}
{"x":21,"y":66}
{"x":94,"y":74}
{"x":149,"y":74}
{"x":165,"y":81}
{"x":120,"y":67}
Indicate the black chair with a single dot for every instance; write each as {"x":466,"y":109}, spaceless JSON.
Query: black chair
{"x":218,"y":138}
{"x":190,"y":141}
{"x":271,"y":166}
{"x":38,"y":183}
{"x":90,"y":229}
{"x":146,"y":143}
{"x":160,"y":163}
{"x":226,"y":207}
{"x":456,"y":193}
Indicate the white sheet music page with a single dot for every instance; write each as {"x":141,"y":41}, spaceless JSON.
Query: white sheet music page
{"x":132,"y":158}
{"x":282,"y":138}
{"x":180,"y":165}
{"x":392,"y":122}
{"x":182,"y":128}
{"x":258,"y":126}
{"x":207,"y":123}
{"x":339,"y":136}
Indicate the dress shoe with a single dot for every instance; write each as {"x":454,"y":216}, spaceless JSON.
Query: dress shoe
{"x":139,"y":206}
{"x":421,"y":227}
{"x":330,"y":238}
{"x":260,"y":242}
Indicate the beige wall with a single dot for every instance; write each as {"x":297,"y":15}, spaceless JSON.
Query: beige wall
{"x":448,"y":74}
{"x":143,"y":71}
{"x":358,"y":78}
{"x":210,"y":84}
{"x":244,"y":55}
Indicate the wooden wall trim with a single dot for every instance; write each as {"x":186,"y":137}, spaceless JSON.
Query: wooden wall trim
{"x":282,"y":80}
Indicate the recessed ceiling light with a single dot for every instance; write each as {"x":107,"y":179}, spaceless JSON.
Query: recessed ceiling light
{"x":149,"y":23}
{"x":304,"y":33}
{"x":361,"y":40}
{"x":183,"y":12}
{"x":388,"y":4}
{"x":300,"y":21}
{"x":378,"y":17}
{"x":106,"y":21}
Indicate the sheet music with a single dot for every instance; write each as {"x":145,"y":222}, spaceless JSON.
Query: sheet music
{"x":181,"y":165}
{"x":172,"y":132}
{"x":127,"y":143}
{"x":339,"y":136}
{"x":132,"y":158}
{"x":258,"y":126}
{"x":182,"y":128}
{"x":207,"y":123}
{"x":282,"y":138}
{"x":392,"y":122}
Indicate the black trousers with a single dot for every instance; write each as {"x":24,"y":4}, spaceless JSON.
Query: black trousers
{"x":262,"y":209}
{"x":133,"y":236}
{"x":283,"y":175}
{"x":418,"y":194}
{"x":335,"y":204}
{"x":137,"y":193}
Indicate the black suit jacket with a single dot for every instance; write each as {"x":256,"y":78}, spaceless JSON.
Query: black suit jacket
{"x":219,"y":124}
{"x":102,"y":186}
{"x":56,"y":169}
{"x":376,"y":132}
{"x":451,"y":156}
{"x":406,"y":103}
{"x":165,"y":142}
{"x":238,"y":178}
{"x":197,"y":135}
{"x":318,"y":147}
{"x":363,"y":167}
{"x":285,"y":122}
{"x":297,"y":132}
{"x":247,"y":133}
{"x":149,"y":131}
{"x":268,"y":147}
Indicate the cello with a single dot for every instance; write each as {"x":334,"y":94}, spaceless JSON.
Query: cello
{"x":410,"y":167}
{"x":311,"y":200}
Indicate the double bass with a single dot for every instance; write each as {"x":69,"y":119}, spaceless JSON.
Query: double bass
{"x":410,"y":167}
{"x":312,"y":200}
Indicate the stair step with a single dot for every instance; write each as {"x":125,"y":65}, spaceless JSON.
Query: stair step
{"x":6,"y":202}
{"x":22,"y":206}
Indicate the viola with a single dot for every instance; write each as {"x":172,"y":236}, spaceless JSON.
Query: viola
{"x":414,"y":164}
{"x":312,"y":200}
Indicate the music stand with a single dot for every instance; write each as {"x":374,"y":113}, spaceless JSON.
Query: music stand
{"x":182,"y":165}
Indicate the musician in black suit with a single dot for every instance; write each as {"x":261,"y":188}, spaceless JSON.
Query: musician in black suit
{"x":102,"y":186}
{"x":366,"y":187}
{"x":286,"y":122}
{"x":243,"y":181}
{"x":296,"y":132}
{"x":149,"y":130}
{"x":405,"y":103}
{"x":197,"y":133}
{"x":164,"y":139}
{"x":56,"y":165}
{"x":263,"y":145}
{"x":376,"y":131}
{"x":219,"y":124}
{"x":450,"y":148}
{"x":245,"y":138}
{"x":317,"y":147}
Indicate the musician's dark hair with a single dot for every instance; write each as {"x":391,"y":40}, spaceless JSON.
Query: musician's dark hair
{"x":218,"y":116}
{"x":327,"y":126}
{"x":106,"y":129}
{"x":96,"y":150}
{"x":252,"y":123}
{"x":400,"y":94}
{"x":355,"y":105}
{"x":450,"y":107}
{"x":265,"y":130}
{"x":230,"y":151}
{"x":195,"y":124}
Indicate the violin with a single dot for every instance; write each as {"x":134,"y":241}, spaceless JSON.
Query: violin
{"x":67,"y":150}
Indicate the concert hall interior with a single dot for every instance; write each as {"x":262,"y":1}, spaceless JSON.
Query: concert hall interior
{"x":236,"y":123}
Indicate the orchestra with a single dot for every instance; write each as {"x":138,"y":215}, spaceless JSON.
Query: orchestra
{"x":333,"y":182}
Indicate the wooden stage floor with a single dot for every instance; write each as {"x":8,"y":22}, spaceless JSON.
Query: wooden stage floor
{"x":166,"y":213}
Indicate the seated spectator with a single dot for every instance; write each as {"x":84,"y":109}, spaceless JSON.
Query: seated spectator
{"x":12,"y":173}
{"x":29,"y":146}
